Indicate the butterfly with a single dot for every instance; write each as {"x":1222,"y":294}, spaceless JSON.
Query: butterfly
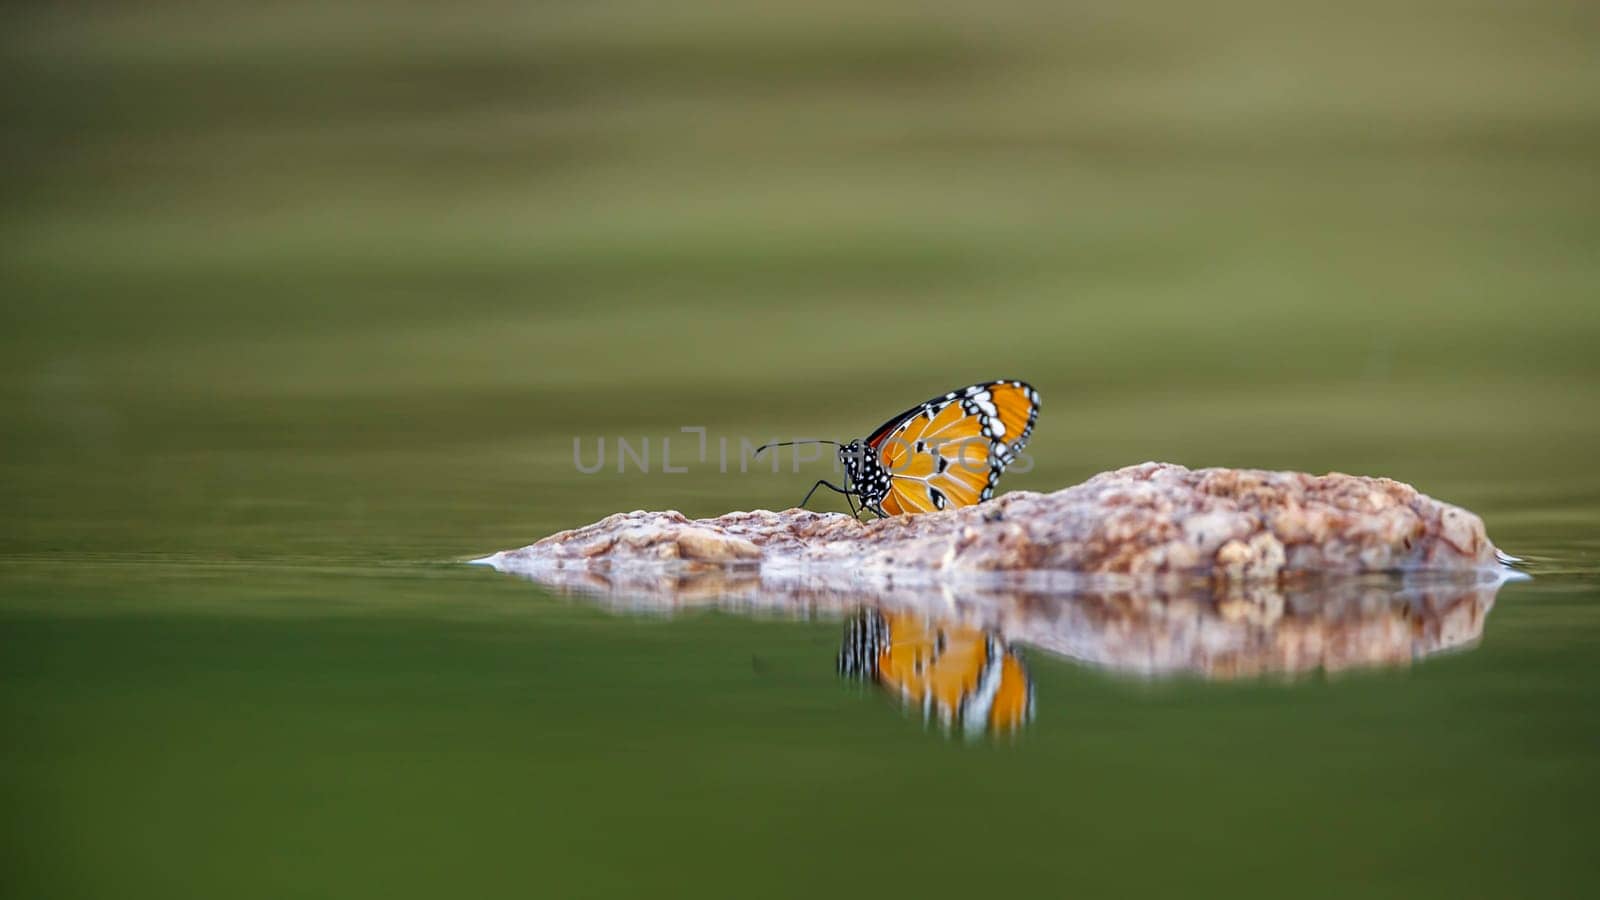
{"x":943,"y":454}
{"x":956,"y":673}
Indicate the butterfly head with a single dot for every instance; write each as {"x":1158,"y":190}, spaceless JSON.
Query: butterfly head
{"x":863,"y":471}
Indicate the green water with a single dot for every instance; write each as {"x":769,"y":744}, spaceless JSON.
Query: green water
{"x":303,"y":306}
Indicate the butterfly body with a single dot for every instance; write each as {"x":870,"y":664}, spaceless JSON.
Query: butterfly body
{"x":864,"y":473}
{"x":945,"y":453}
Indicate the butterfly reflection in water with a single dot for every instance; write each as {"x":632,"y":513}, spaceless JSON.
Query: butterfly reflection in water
{"x":946,"y":453}
{"x":961,"y":676}
{"x":954,"y":653}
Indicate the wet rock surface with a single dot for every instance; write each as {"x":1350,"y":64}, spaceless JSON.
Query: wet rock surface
{"x":1154,"y":520}
{"x":1150,"y":570}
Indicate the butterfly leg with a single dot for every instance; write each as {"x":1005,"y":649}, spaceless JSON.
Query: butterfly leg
{"x":848,"y":494}
{"x":850,"y":498}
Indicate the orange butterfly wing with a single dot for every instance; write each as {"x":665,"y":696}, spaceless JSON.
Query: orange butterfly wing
{"x":950,"y":452}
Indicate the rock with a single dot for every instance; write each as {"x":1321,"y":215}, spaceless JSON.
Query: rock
{"x":1154,"y":569}
{"x":1152,"y":521}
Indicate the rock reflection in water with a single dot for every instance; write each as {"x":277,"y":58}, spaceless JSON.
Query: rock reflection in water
{"x":937,"y":644}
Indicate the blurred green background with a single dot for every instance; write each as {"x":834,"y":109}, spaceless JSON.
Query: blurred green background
{"x":302,"y":304}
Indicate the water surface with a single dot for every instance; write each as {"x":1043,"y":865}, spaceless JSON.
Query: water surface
{"x":303,"y":306}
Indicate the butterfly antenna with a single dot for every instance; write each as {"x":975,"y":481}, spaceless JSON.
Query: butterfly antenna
{"x":757,"y":451}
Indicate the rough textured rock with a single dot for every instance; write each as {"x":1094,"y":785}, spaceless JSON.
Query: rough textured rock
{"x":1152,"y":520}
{"x":1152,"y":569}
